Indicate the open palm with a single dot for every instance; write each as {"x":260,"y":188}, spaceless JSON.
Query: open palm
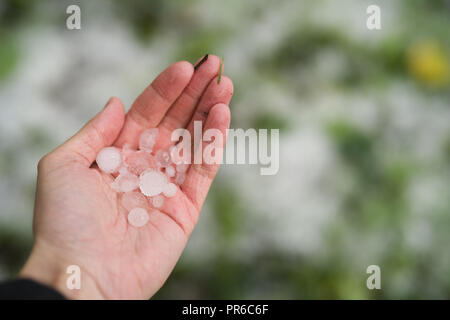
{"x":78,"y":217}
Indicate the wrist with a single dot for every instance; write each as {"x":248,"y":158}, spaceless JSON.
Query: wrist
{"x":49,"y":268}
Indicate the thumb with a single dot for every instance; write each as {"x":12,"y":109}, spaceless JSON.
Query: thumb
{"x":101,"y":131}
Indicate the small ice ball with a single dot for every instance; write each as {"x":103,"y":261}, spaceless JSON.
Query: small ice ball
{"x":182,"y":167}
{"x":138,"y":217}
{"x":179,"y":178}
{"x":125,"y":182}
{"x":109,"y":159}
{"x":147,"y":139}
{"x":152,"y":182}
{"x":139,"y":161}
{"x":170,"y":190}
{"x":179,"y":154}
{"x":157,"y":201}
{"x":134,"y":199}
{"x":170,"y":171}
{"x":126,"y":149}
{"x":123,"y":170}
{"x":163,"y":158}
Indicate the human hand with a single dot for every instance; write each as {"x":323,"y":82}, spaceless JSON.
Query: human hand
{"x":78,"y":218}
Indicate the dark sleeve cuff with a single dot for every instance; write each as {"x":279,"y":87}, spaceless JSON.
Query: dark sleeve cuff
{"x":25,"y":289}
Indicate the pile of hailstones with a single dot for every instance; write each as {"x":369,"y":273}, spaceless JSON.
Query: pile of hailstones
{"x":143,"y":176}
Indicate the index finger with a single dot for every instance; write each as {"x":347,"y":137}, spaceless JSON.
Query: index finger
{"x":152,"y":104}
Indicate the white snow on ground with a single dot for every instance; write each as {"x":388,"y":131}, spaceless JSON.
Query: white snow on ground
{"x":64,"y":78}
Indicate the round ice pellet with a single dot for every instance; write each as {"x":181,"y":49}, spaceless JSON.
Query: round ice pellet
{"x":134,"y":199}
{"x":138,"y":217}
{"x":125,"y":182}
{"x":157,"y":201}
{"x":152,"y":182}
{"x":147,"y":139}
{"x":139,"y":161}
{"x":179,"y":178}
{"x":170,"y":171}
{"x":182,"y":167}
{"x":163,"y":158}
{"x":170,"y":190}
{"x":109,"y":159}
{"x":126,"y":150}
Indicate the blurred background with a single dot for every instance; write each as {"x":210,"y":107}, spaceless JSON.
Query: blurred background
{"x":364,"y":119}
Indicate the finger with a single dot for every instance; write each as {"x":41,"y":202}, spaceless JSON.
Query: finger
{"x":101,"y":131}
{"x":152,"y":104}
{"x":181,"y":111}
{"x":214,"y":94}
{"x":200,"y":176}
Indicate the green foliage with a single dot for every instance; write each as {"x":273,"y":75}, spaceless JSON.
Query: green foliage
{"x":14,"y":249}
{"x":372,"y":197}
{"x":196,"y":45}
{"x":144,"y":16}
{"x":13,"y":12}
{"x":300,"y":47}
{"x":355,"y":146}
{"x":227,"y":209}
{"x":269,"y":120}
{"x":9,"y":55}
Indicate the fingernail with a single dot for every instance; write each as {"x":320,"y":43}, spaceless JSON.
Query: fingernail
{"x":201,"y":62}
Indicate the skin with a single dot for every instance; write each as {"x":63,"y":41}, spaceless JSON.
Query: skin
{"x":78,"y":219}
